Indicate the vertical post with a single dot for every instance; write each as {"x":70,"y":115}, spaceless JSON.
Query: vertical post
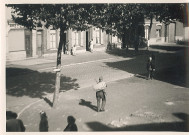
{"x":58,"y":68}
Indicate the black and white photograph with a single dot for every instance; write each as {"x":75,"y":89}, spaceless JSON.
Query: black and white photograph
{"x":96,"y":67}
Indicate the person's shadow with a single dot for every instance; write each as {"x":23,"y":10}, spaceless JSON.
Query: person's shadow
{"x":88,"y":104}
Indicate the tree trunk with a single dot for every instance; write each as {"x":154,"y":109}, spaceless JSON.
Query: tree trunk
{"x":58,"y":69}
{"x":123,"y":41}
{"x":127,"y":39}
{"x":136,"y":39}
{"x":151,"y":20}
{"x":165,"y":32}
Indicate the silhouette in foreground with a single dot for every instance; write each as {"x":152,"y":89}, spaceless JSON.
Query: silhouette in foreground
{"x":71,"y":124}
{"x":13,"y":124}
{"x":43,"y":125}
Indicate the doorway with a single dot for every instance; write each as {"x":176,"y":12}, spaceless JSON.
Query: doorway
{"x":28,"y":46}
{"x":172,"y":33}
{"x":39,"y":43}
{"x":87,"y":41}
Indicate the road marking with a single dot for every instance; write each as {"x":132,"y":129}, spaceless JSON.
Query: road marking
{"x":26,"y":107}
{"x":73,"y":64}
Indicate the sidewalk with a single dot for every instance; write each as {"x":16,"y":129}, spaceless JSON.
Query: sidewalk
{"x":49,"y":58}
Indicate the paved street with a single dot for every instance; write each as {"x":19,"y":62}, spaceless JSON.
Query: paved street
{"x":133,"y":103}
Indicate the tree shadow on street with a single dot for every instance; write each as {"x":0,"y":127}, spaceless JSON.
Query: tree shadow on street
{"x":164,"y":126}
{"x":167,"y":48}
{"x":127,"y":53}
{"x":26,"y":82}
{"x":87,"y":104}
{"x":177,"y":75}
{"x":170,"y":67}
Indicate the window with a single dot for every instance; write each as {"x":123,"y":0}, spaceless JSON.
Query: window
{"x":52,"y":39}
{"x":158,"y":31}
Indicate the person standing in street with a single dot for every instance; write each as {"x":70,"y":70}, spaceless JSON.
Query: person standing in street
{"x":67,"y":47}
{"x":91,"y":45}
{"x":151,"y":67}
{"x":73,"y":50}
{"x":100,"y":94}
{"x":13,"y":124}
{"x":43,"y":125}
{"x":148,"y":44}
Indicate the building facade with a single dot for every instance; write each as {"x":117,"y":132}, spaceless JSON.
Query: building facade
{"x":22,"y":43}
{"x":161,"y":33}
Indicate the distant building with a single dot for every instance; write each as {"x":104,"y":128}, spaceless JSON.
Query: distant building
{"x":23,"y":43}
{"x":161,"y":33}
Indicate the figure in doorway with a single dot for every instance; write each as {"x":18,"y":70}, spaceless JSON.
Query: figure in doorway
{"x":91,"y":45}
{"x":67,"y":47}
{"x":73,"y":50}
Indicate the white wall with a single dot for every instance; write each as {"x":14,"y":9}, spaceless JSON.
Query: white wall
{"x":34,"y":42}
{"x":16,"y":40}
{"x":186,"y":33}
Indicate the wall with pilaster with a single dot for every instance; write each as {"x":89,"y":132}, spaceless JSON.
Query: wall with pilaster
{"x":179,"y":34}
{"x":34,"y":41}
{"x":69,"y":37}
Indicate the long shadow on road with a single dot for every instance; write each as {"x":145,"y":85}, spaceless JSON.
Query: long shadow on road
{"x":168,"y":48}
{"x":26,"y":82}
{"x":165,"y":126}
{"x":87,"y":104}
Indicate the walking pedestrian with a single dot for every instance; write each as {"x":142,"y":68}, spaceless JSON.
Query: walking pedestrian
{"x":71,"y":124}
{"x":91,"y":45}
{"x":148,"y":44}
{"x":100,"y":94}
{"x":13,"y":124}
{"x":67,"y":47}
{"x":73,"y":50}
{"x":43,"y":125}
{"x":151,"y":67}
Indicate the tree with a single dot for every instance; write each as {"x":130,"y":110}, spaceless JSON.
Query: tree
{"x":166,"y":13}
{"x":59,"y":16}
{"x":123,"y":19}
